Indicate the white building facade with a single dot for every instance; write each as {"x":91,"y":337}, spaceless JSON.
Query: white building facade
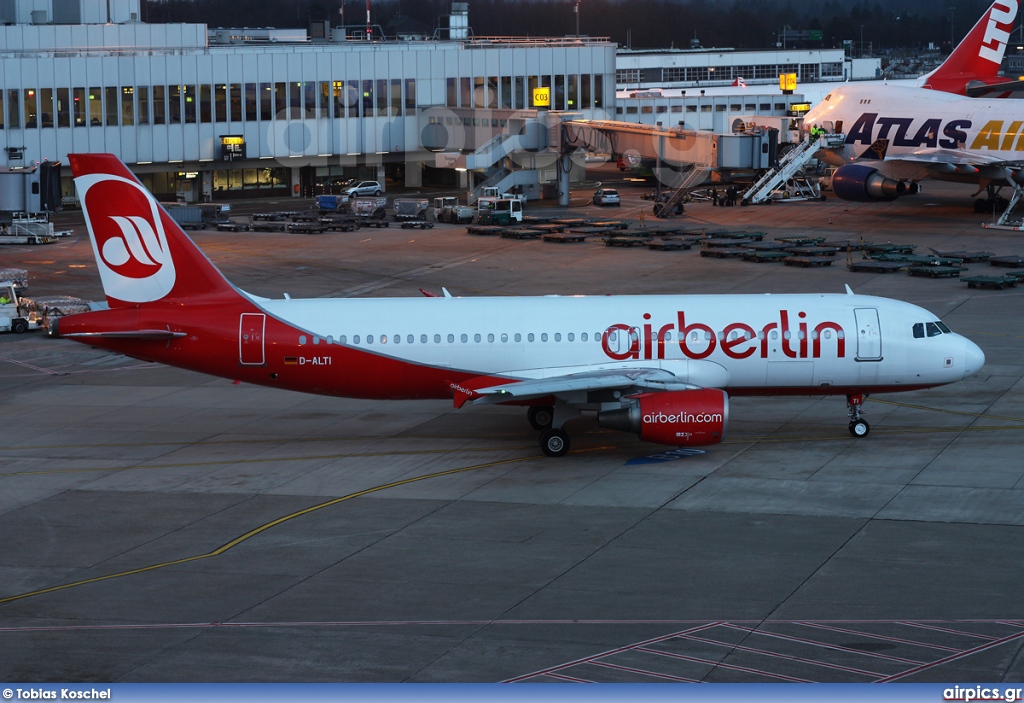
{"x":257,"y":115}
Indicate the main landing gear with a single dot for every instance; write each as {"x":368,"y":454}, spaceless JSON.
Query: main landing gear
{"x":858,"y":426}
{"x":554,"y":441}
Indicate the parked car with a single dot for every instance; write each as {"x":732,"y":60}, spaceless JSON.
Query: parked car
{"x":606,"y":196}
{"x":365,"y":188}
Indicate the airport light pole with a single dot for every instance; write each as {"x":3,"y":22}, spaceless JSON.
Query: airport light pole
{"x":576,"y":9}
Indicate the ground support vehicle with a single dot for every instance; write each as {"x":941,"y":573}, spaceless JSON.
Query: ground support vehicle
{"x":15,"y":315}
{"x":499,"y":211}
{"x":420,"y":224}
{"x":452,"y":211}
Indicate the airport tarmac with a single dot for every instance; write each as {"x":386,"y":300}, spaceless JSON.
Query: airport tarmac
{"x":159,"y":525}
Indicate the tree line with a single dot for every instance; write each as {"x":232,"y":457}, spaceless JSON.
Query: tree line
{"x":739,"y":24}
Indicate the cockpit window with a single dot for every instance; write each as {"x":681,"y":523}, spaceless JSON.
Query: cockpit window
{"x":930,"y":329}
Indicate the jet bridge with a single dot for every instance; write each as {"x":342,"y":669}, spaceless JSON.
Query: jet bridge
{"x":694,"y":153}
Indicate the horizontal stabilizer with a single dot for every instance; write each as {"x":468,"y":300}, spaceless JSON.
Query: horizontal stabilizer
{"x":127,"y":334}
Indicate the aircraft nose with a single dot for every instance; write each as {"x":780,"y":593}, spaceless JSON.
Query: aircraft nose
{"x":974,"y":358}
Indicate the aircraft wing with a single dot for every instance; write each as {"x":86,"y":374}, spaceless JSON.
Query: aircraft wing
{"x":954,"y":157}
{"x":608,"y":379}
{"x":569,"y":384}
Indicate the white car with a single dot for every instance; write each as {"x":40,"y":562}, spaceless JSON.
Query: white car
{"x":606,"y":196}
{"x":365,"y":188}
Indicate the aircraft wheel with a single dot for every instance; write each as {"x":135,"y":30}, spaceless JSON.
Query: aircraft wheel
{"x":859,"y":428}
{"x":554,"y":442}
{"x":540,"y":416}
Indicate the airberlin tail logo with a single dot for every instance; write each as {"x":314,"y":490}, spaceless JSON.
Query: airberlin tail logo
{"x":128,"y":238}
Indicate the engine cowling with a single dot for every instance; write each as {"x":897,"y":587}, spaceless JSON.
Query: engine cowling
{"x":694,"y":418}
{"x":863,"y":183}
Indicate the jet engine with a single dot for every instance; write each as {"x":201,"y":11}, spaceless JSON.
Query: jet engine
{"x":694,"y":418}
{"x":864,"y":183}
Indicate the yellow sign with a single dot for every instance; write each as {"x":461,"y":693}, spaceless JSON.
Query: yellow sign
{"x":799,"y":107}
{"x":787,"y":81}
{"x":542,"y":97}
{"x":232,"y":140}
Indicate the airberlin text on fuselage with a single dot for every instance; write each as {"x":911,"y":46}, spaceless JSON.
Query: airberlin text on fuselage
{"x":737,"y":340}
{"x":996,"y":135}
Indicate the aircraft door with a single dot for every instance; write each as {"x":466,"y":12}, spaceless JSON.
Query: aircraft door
{"x":251,"y":329}
{"x":869,"y":335}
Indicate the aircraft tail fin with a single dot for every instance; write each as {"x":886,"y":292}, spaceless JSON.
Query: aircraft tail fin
{"x":978,"y":57}
{"x":142,"y":254}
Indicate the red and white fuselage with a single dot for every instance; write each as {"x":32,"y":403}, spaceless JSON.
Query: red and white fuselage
{"x":169,"y":304}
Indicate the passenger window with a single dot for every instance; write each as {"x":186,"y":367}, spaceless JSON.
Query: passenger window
{"x":558,"y":336}
{"x":451,"y":339}
{"x":316,"y":340}
{"x":369,"y":339}
{"x":583,"y":337}
{"x":355,"y":339}
{"x":529,"y":337}
{"x":423,"y":339}
{"x":412,"y":338}
{"x":465,"y":338}
{"x":490,"y":338}
{"x":919,"y":330}
{"x":570,"y":337}
{"x":519,"y":337}
{"x":775,"y":334}
{"x":383,"y":339}
{"x":330,"y":339}
{"x":302,"y":339}
{"x":437,"y":339}
{"x":342,"y":339}
{"x":504,"y":337}
{"x":543,"y":336}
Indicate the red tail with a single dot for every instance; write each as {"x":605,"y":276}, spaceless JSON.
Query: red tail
{"x":142,"y":254}
{"x":978,"y":57}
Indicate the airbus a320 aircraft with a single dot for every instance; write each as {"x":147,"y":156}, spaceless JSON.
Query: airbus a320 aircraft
{"x":659,"y":366}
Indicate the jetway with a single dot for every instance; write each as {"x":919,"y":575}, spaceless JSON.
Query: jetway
{"x":684,"y":148}
{"x":515,"y":156}
{"x":30,"y":190}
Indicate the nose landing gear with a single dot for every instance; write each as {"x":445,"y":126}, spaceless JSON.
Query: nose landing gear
{"x":858,"y":426}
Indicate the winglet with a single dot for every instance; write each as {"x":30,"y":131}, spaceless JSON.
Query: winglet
{"x":849,"y":291}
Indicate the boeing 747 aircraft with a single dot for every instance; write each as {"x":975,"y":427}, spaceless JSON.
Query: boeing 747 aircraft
{"x":659,"y":366}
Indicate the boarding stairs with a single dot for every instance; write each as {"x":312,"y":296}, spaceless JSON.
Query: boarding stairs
{"x":692,"y":178}
{"x":794,"y":160}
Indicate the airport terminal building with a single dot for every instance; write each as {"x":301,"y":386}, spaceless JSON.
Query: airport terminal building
{"x":212,"y":114}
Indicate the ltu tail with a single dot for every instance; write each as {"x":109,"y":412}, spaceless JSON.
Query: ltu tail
{"x":142,"y":254}
{"x":978,"y":58}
